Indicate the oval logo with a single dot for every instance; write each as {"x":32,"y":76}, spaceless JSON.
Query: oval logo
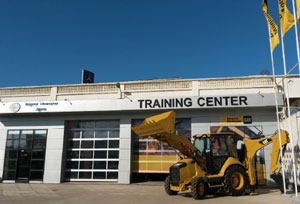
{"x":15,"y":107}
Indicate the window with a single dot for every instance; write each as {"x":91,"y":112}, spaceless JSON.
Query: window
{"x":219,"y":147}
{"x":151,"y":155}
{"x":202,"y":144}
{"x":92,"y":150}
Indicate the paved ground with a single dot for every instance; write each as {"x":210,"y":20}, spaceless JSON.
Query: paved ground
{"x":149,"y":193}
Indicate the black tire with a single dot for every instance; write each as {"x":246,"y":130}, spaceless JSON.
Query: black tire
{"x":235,"y":181}
{"x":211,"y":191}
{"x":198,"y":188}
{"x":168,"y":188}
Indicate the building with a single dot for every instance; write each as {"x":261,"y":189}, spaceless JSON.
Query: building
{"x":83,"y":132}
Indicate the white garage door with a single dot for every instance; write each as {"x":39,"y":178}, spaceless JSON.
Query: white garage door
{"x":92,"y":150}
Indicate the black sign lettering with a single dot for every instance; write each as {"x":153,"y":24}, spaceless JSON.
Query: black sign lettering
{"x":188,"y":102}
{"x":234,"y":101}
{"x":243,"y":99}
{"x":141,"y":103}
{"x":148,"y":103}
{"x":201,"y":103}
{"x":218,"y":101}
{"x":156,"y":104}
{"x":211,"y":101}
{"x":167,"y":103}
{"x":179,"y":102}
{"x":226,"y":99}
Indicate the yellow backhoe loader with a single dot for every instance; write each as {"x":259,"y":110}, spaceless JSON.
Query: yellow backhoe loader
{"x":212,"y":161}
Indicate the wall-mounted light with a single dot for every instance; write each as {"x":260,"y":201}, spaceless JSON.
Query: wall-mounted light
{"x":260,"y":94}
{"x":290,"y":82}
{"x":126,"y":94}
{"x":68,"y":101}
{"x":2,"y":102}
{"x":118,"y":85}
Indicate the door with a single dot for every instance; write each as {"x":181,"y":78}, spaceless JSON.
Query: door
{"x":25,"y":155}
{"x":23,"y":165}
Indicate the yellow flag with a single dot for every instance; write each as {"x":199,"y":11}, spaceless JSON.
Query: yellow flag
{"x":286,"y":18}
{"x":273,"y":28}
{"x":298,"y":8}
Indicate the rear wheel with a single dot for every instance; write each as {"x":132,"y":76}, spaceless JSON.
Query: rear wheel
{"x":168,"y":187}
{"x":198,"y":188}
{"x":235,"y":181}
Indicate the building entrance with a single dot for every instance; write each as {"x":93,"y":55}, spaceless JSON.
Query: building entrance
{"x":25,"y":155}
{"x":23,"y":164}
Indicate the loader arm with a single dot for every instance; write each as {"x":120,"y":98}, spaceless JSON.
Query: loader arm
{"x":253,"y":145}
{"x":161,"y":127}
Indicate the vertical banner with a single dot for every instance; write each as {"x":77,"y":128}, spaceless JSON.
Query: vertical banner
{"x":286,"y":18}
{"x":273,"y":28}
{"x":298,"y":8}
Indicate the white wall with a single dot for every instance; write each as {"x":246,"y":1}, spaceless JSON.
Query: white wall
{"x":294,"y":135}
{"x":201,"y":120}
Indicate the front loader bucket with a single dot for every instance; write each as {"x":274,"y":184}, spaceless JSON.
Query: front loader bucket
{"x":158,"y":124}
{"x":161,"y":127}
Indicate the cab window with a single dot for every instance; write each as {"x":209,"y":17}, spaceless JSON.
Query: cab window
{"x":202,"y":144}
{"x":219,"y":147}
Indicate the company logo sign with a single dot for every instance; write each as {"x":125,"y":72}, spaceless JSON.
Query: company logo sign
{"x":235,"y":119}
{"x":15,"y":107}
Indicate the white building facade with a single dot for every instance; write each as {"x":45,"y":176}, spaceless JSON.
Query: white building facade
{"x":53,"y":134}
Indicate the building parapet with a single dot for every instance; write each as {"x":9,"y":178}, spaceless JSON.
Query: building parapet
{"x":87,"y":89}
{"x":25,"y":91}
{"x":141,"y":86}
{"x":236,"y":83}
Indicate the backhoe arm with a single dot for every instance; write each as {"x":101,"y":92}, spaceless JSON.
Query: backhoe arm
{"x":253,"y":145}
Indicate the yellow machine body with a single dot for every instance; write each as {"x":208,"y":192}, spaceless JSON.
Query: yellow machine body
{"x":191,"y":169}
{"x":202,"y":169}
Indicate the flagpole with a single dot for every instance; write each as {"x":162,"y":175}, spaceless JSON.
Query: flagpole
{"x":277,"y":118}
{"x":296,"y":33}
{"x":298,"y":55}
{"x":277,"y":113}
{"x":288,"y":112}
{"x":274,"y":34}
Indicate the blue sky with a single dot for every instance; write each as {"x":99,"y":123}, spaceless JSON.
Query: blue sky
{"x":50,"y":42}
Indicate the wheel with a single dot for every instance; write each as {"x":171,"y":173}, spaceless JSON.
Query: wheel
{"x":235,"y":181}
{"x":211,"y":191}
{"x":168,"y":188}
{"x":198,"y":188}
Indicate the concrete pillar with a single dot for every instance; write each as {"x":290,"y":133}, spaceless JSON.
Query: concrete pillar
{"x":53,"y":158}
{"x":3,"y":133}
{"x":125,"y":151}
{"x":195,"y":88}
{"x":53,"y":94}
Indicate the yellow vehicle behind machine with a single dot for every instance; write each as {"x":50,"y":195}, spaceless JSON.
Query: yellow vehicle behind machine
{"x":212,"y":161}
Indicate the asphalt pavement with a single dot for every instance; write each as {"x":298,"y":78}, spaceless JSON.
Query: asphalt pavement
{"x":110,"y":193}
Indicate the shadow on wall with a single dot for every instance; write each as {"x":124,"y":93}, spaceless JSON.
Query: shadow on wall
{"x":289,"y":169}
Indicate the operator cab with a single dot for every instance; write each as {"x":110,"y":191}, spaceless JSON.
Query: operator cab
{"x":216,"y":148}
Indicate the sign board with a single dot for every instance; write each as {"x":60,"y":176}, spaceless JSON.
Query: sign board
{"x":235,"y":119}
{"x":87,"y":77}
{"x":198,"y":102}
